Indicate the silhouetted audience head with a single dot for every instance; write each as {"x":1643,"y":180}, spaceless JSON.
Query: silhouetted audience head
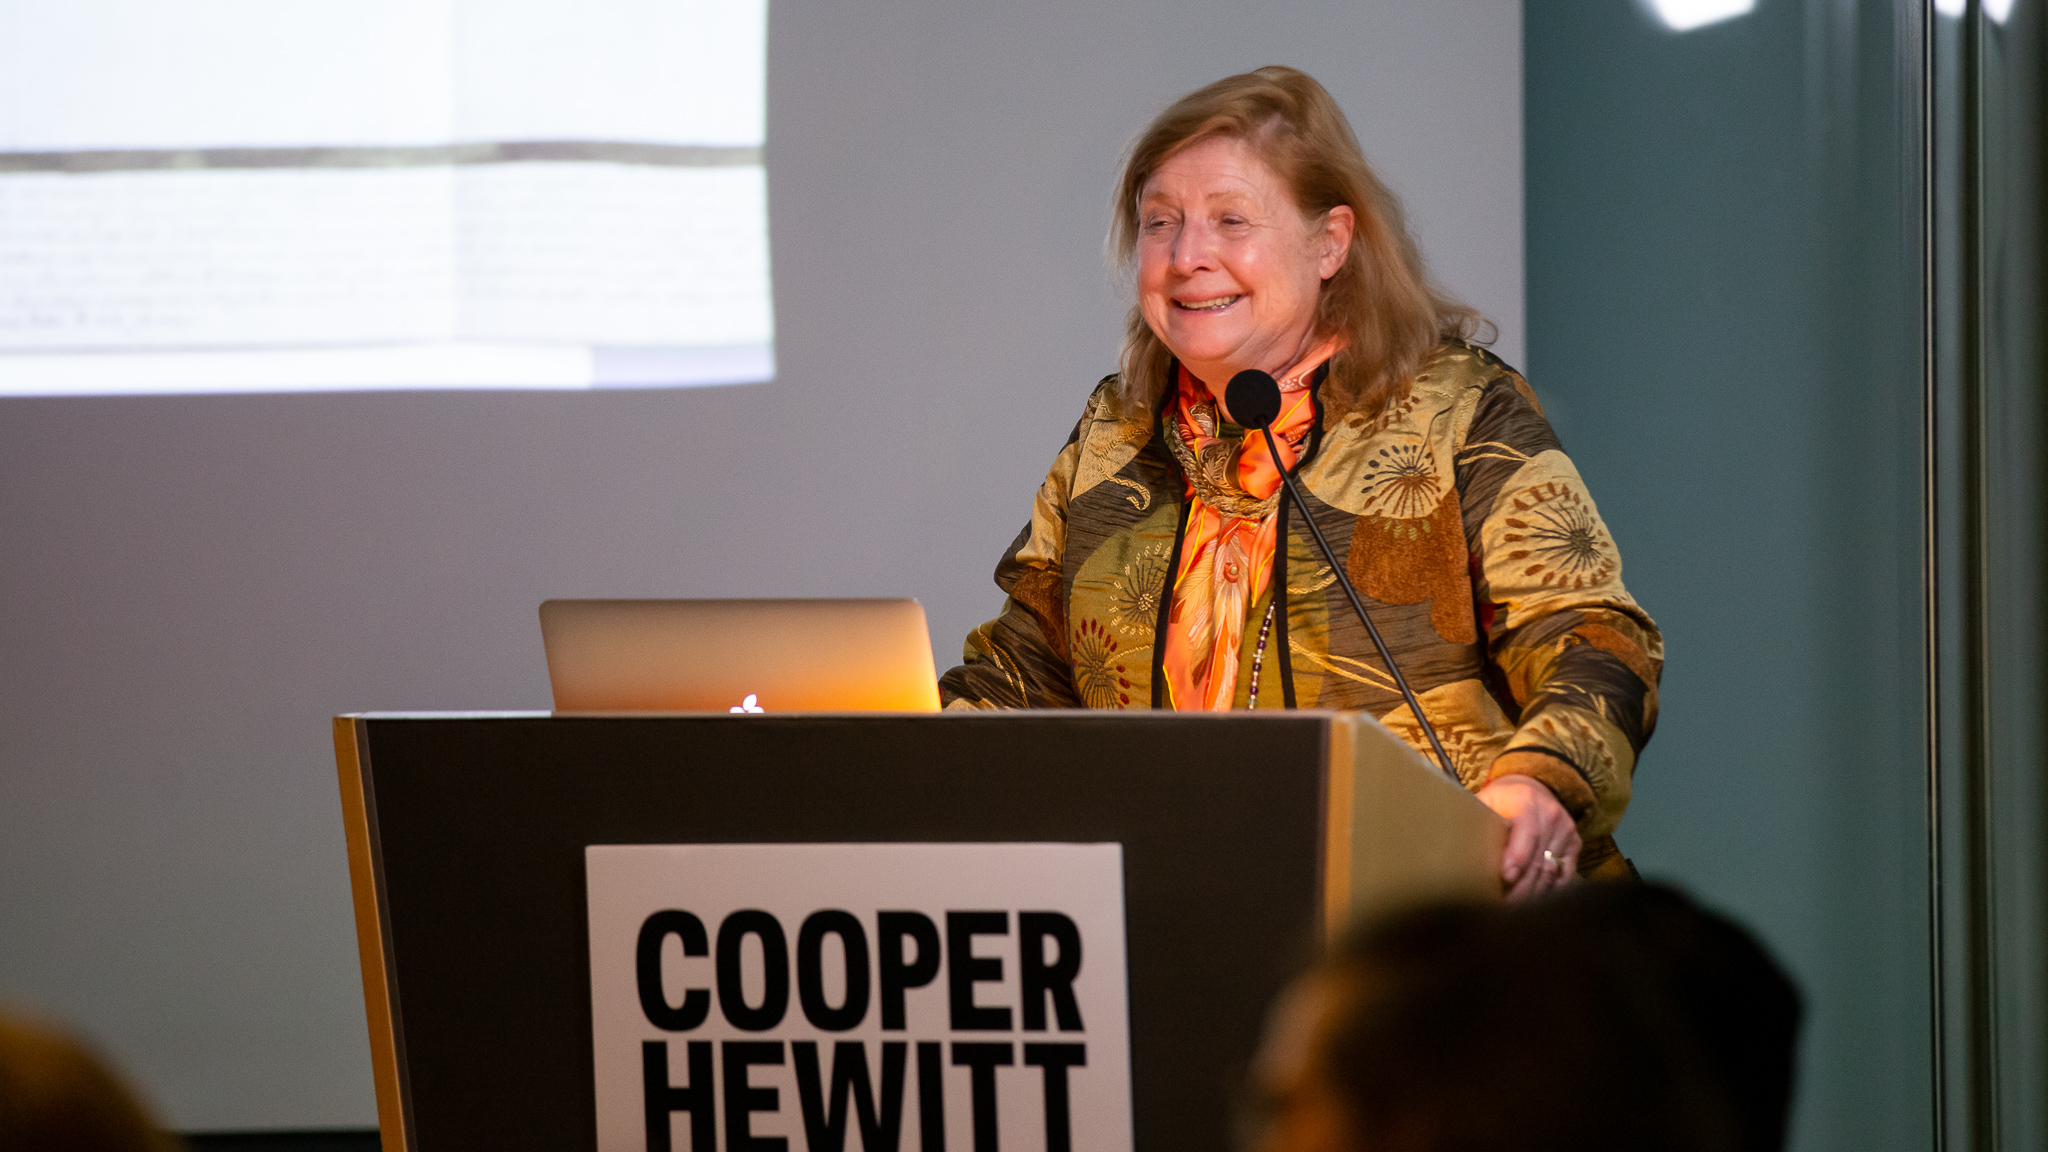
{"x":55,"y":1096}
{"x":1609,"y":1018}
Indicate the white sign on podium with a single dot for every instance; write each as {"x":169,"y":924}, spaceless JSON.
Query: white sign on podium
{"x":880,"y":997}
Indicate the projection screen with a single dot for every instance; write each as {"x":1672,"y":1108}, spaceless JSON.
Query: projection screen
{"x":242,"y":195}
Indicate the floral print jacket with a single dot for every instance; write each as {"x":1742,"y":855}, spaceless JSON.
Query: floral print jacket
{"x":1464,"y":527}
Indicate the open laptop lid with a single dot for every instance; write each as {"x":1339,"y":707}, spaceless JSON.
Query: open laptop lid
{"x":739,"y":655}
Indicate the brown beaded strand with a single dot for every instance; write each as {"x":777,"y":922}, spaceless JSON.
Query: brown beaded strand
{"x":1259,"y":658}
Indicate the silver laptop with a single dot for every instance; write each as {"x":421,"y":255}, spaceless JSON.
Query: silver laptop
{"x":739,"y":656}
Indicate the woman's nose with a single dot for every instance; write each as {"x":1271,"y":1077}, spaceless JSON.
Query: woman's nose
{"x":1193,"y":250}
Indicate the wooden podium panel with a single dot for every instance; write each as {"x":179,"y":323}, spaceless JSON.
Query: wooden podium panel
{"x":1243,"y":834}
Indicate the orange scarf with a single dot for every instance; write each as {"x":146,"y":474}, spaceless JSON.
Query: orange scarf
{"x":1226,"y":556}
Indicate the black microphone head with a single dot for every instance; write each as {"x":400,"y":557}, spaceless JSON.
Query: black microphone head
{"x":1253,"y":398}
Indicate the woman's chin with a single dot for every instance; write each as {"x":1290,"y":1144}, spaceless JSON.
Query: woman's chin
{"x":1202,"y":349}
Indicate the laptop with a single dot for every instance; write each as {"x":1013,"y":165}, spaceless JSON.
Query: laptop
{"x":739,"y":656}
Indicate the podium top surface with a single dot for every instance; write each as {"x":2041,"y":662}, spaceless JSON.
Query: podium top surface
{"x":1090,"y":714}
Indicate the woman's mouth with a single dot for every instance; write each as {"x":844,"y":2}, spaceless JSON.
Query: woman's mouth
{"x":1213,"y":304}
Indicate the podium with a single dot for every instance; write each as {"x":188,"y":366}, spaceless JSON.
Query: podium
{"x":1244,"y":836}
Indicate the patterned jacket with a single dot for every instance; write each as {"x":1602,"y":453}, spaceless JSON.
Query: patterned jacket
{"x":1466,"y":530}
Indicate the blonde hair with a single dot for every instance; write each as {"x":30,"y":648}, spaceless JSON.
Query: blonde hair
{"x":1382,"y":299}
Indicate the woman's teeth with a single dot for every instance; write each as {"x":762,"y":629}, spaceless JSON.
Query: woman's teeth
{"x":1214,"y":305}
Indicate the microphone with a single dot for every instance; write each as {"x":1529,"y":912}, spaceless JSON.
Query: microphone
{"x":1254,"y":402}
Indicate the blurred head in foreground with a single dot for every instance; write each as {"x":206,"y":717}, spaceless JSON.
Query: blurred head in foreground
{"x":1608,"y":1017}
{"x":56,"y":1097}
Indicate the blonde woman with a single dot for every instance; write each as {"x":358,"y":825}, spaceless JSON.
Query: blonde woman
{"x":1159,"y":568}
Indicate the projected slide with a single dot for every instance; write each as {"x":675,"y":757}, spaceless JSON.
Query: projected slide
{"x":246,"y":195}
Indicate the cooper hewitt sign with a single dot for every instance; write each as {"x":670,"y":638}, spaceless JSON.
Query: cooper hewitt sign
{"x":879,"y":997}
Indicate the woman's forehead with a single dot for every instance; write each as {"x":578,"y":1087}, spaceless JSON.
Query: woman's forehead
{"x":1219,"y":167}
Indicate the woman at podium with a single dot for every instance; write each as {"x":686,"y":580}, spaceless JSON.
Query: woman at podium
{"x":1161,"y":567}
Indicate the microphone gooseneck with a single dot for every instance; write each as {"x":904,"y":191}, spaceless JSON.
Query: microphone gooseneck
{"x":1253,"y":398}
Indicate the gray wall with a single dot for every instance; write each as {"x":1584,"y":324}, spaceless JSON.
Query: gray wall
{"x":1724,"y":317}
{"x":190,"y":587}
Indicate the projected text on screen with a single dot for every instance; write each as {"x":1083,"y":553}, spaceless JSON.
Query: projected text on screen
{"x":239,"y":195}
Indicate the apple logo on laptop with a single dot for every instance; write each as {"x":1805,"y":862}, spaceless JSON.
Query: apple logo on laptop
{"x":750,"y":704}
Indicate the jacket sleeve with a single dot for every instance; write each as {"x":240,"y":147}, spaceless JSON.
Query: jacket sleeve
{"x":1571,"y":655}
{"x":1020,"y":658}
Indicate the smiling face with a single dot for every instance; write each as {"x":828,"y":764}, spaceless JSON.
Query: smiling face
{"x":1228,"y":270}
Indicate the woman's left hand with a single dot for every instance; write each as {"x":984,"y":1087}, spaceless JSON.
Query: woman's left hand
{"x":1542,"y":851}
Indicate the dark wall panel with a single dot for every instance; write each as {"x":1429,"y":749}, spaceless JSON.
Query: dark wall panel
{"x":1724,"y":318}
